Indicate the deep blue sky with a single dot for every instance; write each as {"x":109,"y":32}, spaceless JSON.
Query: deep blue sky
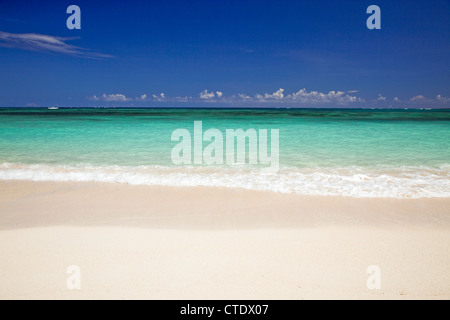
{"x":129,"y":51}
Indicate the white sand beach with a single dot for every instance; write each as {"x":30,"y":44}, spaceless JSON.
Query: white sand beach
{"x":134,"y":242}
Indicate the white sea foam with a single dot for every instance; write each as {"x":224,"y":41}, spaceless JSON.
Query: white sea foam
{"x":386,"y":182}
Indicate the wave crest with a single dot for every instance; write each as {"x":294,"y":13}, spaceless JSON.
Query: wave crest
{"x":380,"y":181}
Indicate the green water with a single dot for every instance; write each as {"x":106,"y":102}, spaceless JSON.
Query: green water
{"x":307,"y":138}
{"x":312,"y":143}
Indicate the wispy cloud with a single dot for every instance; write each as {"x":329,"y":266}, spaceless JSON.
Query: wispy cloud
{"x":47,"y":43}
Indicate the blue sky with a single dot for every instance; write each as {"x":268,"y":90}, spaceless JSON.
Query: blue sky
{"x":225,"y":53}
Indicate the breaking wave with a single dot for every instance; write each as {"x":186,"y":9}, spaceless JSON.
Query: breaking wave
{"x":378,"y":181}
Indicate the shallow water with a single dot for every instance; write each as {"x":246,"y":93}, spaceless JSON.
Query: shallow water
{"x":360,"y":153}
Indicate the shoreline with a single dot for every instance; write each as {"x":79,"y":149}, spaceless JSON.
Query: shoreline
{"x":385,"y":182}
{"x":140,"y":242}
{"x":103,"y":204}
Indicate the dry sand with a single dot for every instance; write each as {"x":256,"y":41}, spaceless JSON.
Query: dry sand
{"x":212,"y":243}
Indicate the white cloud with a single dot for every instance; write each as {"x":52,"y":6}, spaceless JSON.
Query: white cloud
{"x":381,"y":98}
{"x":440,"y":98}
{"x":309,"y":97}
{"x":418,"y":98}
{"x":142,"y":97}
{"x":46,"y":43}
{"x":160,"y":97}
{"x":244,"y":96}
{"x":301,"y":97}
{"x":205,"y":95}
{"x":116,"y":97}
{"x":181,"y":99}
{"x":277,"y":95}
{"x":396,"y":99}
{"x":315,"y":97}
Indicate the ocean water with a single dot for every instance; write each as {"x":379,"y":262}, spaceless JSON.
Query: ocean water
{"x":356,"y":153}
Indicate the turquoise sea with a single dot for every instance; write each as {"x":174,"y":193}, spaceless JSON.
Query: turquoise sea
{"x":359,"y":153}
